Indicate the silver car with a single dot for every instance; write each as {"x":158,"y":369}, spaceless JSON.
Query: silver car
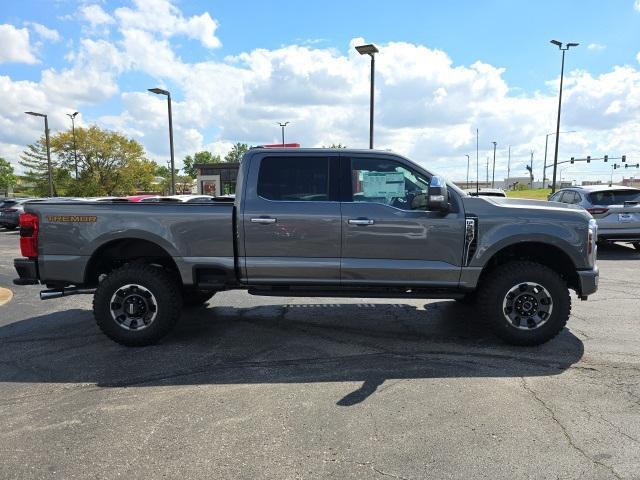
{"x":616,"y":210}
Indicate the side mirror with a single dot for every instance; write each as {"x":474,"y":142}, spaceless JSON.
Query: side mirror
{"x":438,"y":195}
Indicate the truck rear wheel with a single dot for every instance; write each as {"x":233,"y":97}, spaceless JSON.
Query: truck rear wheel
{"x":525,"y":303}
{"x":137,"y":305}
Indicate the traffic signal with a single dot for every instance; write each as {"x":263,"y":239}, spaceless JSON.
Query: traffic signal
{"x":624,"y":158}
{"x":606,"y":158}
{"x":615,"y":165}
{"x":637,"y":165}
{"x":588,"y":158}
{"x":573,"y":160}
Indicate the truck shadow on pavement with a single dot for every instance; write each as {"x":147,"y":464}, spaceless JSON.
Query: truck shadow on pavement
{"x":297,"y":343}
{"x":616,"y":251}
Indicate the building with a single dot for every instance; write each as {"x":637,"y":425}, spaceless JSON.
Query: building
{"x":216,"y":178}
{"x":631,"y":182}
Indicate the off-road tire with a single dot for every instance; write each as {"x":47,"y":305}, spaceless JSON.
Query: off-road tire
{"x":496,"y":285}
{"x":195,"y":298}
{"x":168,"y":299}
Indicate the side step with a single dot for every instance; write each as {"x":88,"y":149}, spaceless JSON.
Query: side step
{"x":362,"y":292}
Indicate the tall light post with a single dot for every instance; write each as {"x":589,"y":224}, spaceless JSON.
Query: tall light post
{"x":467,"y":170}
{"x":282,"y":125}
{"x":160,"y":91}
{"x":46,"y":136}
{"x":370,"y":49}
{"x":509,"y":168}
{"x":477,"y":161}
{"x":493,"y":174}
{"x":546,"y":142}
{"x":555,"y":156}
{"x":72,"y":116}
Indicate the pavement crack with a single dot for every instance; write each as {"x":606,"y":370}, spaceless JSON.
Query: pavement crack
{"x":564,"y":430}
{"x":386,"y":474}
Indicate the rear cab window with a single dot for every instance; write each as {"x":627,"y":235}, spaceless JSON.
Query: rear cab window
{"x":294,"y":179}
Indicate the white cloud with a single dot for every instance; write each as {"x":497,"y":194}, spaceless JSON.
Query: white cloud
{"x":636,"y":5}
{"x":15,"y":45}
{"x":161,"y":16}
{"x":44,"y":32}
{"x":95,"y":15}
{"x":596,"y":47}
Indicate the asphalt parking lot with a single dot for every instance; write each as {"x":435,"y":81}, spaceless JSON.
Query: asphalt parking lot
{"x":258,"y":387}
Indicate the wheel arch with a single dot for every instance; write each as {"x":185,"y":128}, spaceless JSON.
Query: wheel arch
{"x":543,"y":253}
{"x":117,"y":252}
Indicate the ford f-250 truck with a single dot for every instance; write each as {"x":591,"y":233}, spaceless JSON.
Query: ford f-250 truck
{"x":316,"y":222}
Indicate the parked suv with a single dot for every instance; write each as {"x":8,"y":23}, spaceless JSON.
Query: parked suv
{"x":616,"y":209}
{"x":10,"y":210}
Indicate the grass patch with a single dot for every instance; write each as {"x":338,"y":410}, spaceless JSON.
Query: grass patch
{"x":533,"y":194}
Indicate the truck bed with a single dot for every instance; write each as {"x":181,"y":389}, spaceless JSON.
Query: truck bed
{"x":72,"y":233}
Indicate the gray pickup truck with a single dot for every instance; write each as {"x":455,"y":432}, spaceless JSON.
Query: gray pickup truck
{"x":316,"y":222}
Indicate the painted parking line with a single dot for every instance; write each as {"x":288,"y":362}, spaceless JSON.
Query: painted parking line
{"x":5,"y":295}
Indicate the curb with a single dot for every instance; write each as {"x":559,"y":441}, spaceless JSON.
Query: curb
{"x":5,"y":296}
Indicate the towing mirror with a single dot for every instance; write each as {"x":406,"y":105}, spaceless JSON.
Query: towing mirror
{"x":438,"y":195}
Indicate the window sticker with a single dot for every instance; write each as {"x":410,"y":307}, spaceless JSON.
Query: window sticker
{"x":383,"y":184}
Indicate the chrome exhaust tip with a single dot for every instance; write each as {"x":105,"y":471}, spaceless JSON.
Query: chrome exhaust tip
{"x":64,"y":292}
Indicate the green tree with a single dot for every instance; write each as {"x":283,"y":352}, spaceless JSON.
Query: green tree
{"x":107,"y":161}
{"x":198,"y":157}
{"x":7,"y":177}
{"x":236,"y":153}
{"x":34,"y":162}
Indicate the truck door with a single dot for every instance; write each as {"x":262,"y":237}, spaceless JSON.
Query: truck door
{"x":292,"y":220}
{"x":385,"y":240}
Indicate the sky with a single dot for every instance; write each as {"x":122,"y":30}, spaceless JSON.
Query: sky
{"x":237,"y":68}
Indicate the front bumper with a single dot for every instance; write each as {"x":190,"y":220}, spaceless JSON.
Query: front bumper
{"x":27,"y":269}
{"x":588,"y":282}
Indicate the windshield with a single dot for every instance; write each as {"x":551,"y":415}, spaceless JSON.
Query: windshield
{"x":614,"y":197}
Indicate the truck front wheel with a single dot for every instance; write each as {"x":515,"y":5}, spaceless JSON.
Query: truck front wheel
{"x":137,"y":305}
{"x":524,"y":303}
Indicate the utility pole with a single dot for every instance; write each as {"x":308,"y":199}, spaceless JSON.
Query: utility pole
{"x":509,"y":167}
{"x":487,"y":182}
{"x":493,"y":174}
{"x":468,"y":171}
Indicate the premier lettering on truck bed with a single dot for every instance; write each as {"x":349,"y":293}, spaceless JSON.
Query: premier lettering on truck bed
{"x":316,"y":222}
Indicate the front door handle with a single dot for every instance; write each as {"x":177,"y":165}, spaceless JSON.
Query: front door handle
{"x":264,"y":220}
{"x":361,"y":221}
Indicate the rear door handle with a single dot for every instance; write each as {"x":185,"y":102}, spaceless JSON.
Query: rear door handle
{"x":264,"y":220}
{"x":361,"y":221}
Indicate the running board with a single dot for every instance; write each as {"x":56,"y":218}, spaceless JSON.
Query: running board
{"x":370,"y":292}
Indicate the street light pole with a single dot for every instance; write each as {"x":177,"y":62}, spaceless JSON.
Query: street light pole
{"x":160,"y":91}
{"x":282,"y":125}
{"x":509,"y":167}
{"x":477,"y":162}
{"x":46,"y":136}
{"x":72,"y":116}
{"x":555,"y":156}
{"x":370,"y":50}
{"x":493,"y":173}
{"x":467,"y":171}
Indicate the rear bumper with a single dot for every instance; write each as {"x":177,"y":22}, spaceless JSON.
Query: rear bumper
{"x":588,"y":280}
{"x":27,"y":269}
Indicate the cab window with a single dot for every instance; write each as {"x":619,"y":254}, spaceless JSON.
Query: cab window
{"x":386,"y":181}
{"x":294,"y":178}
